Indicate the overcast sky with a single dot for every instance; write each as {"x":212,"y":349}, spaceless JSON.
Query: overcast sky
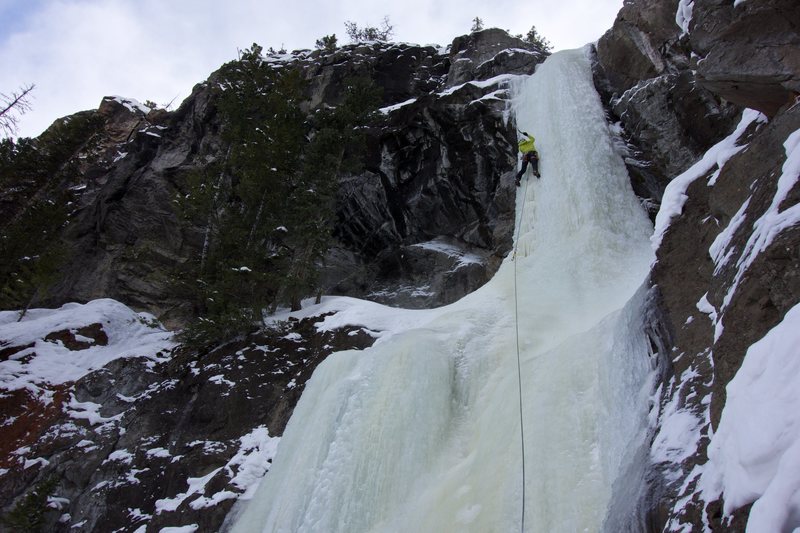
{"x":77,"y":51}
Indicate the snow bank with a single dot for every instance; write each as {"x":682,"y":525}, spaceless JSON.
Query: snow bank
{"x":677,"y":437}
{"x":343,"y":311}
{"x":719,"y":249}
{"x":181,"y":529}
{"x":88,"y":411}
{"x":483,"y":84}
{"x":197,"y":485}
{"x":463,"y":256}
{"x":130,"y":334}
{"x":131,"y":104}
{"x":675,"y":194}
{"x":253,"y":459}
{"x":755,"y":454}
{"x":394,"y":107}
{"x":680,"y":428}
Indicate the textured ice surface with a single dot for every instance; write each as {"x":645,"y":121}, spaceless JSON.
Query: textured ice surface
{"x":421,"y":432}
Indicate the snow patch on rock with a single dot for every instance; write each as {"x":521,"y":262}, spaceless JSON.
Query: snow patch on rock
{"x":675,"y":193}
{"x":774,"y":220}
{"x":130,"y":334}
{"x":245,"y":470}
{"x":754,"y":456}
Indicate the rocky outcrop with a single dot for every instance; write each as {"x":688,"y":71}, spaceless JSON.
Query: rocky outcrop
{"x":677,"y":90}
{"x":425,"y":180}
{"x":644,"y":72}
{"x":402,"y":70}
{"x":747,"y":52}
{"x":487,"y":53}
{"x":726,"y":211}
{"x":721,"y":295}
{"x":125,"y":236}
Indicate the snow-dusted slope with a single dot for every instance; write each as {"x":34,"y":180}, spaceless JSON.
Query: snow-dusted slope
{"x":421,"y":432}
{"x":41,"y":360}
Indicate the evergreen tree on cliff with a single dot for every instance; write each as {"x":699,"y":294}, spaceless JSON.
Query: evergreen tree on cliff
{"x":270,"y":205}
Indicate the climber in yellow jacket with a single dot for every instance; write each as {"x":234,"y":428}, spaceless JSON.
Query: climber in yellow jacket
{"x":529,"y":155}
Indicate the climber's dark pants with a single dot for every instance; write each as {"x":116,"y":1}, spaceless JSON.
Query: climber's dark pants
{"x":533,"y":159}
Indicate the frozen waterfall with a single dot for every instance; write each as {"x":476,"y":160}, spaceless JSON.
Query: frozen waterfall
{"x":421,"y":432}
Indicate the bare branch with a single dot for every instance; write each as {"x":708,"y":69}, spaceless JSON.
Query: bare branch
{"x":369,"y":33}
{"x":13,"y":106}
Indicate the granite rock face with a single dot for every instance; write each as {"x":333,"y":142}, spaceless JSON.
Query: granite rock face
{"x":441,"y":170}
{"x":402,"y":70}
{"x":719,"y":296}
{"x":125,"y":235}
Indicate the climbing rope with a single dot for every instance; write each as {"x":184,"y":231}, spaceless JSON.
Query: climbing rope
{"x":519,"y":365}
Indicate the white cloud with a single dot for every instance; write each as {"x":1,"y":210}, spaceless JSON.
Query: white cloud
{"x":77,"y":51}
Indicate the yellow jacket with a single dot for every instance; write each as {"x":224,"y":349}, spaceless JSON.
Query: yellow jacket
{"x":527,"y":145}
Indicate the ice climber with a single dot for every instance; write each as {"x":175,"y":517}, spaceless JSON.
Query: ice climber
{"x":529,"y":155}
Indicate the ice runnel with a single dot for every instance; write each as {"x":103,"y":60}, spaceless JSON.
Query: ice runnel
{"x":421,"y":432}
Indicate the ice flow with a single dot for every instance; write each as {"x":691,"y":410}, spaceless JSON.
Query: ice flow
{"x":421,"y":432}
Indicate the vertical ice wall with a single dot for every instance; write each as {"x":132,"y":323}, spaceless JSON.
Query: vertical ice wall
{"x":422,"y":431}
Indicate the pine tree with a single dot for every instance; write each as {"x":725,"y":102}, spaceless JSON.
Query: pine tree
{"x":327,"y":43}
{"x":12,"y":106}
{"x":336,"y":146}
{"x":269,"y":207}
{"x":540,"y":42}
{"x":369,"y":33}
{"x":477,"y":25}
{"x":265,"y":131}
{"x":27,"y":516}
{"x":34,"y":176}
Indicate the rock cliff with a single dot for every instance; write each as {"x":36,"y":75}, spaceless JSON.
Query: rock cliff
{"x":159,"y":438}
{"x":704,"y":96}
{"x":677,"y":77}
{"x":436,"y":169}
